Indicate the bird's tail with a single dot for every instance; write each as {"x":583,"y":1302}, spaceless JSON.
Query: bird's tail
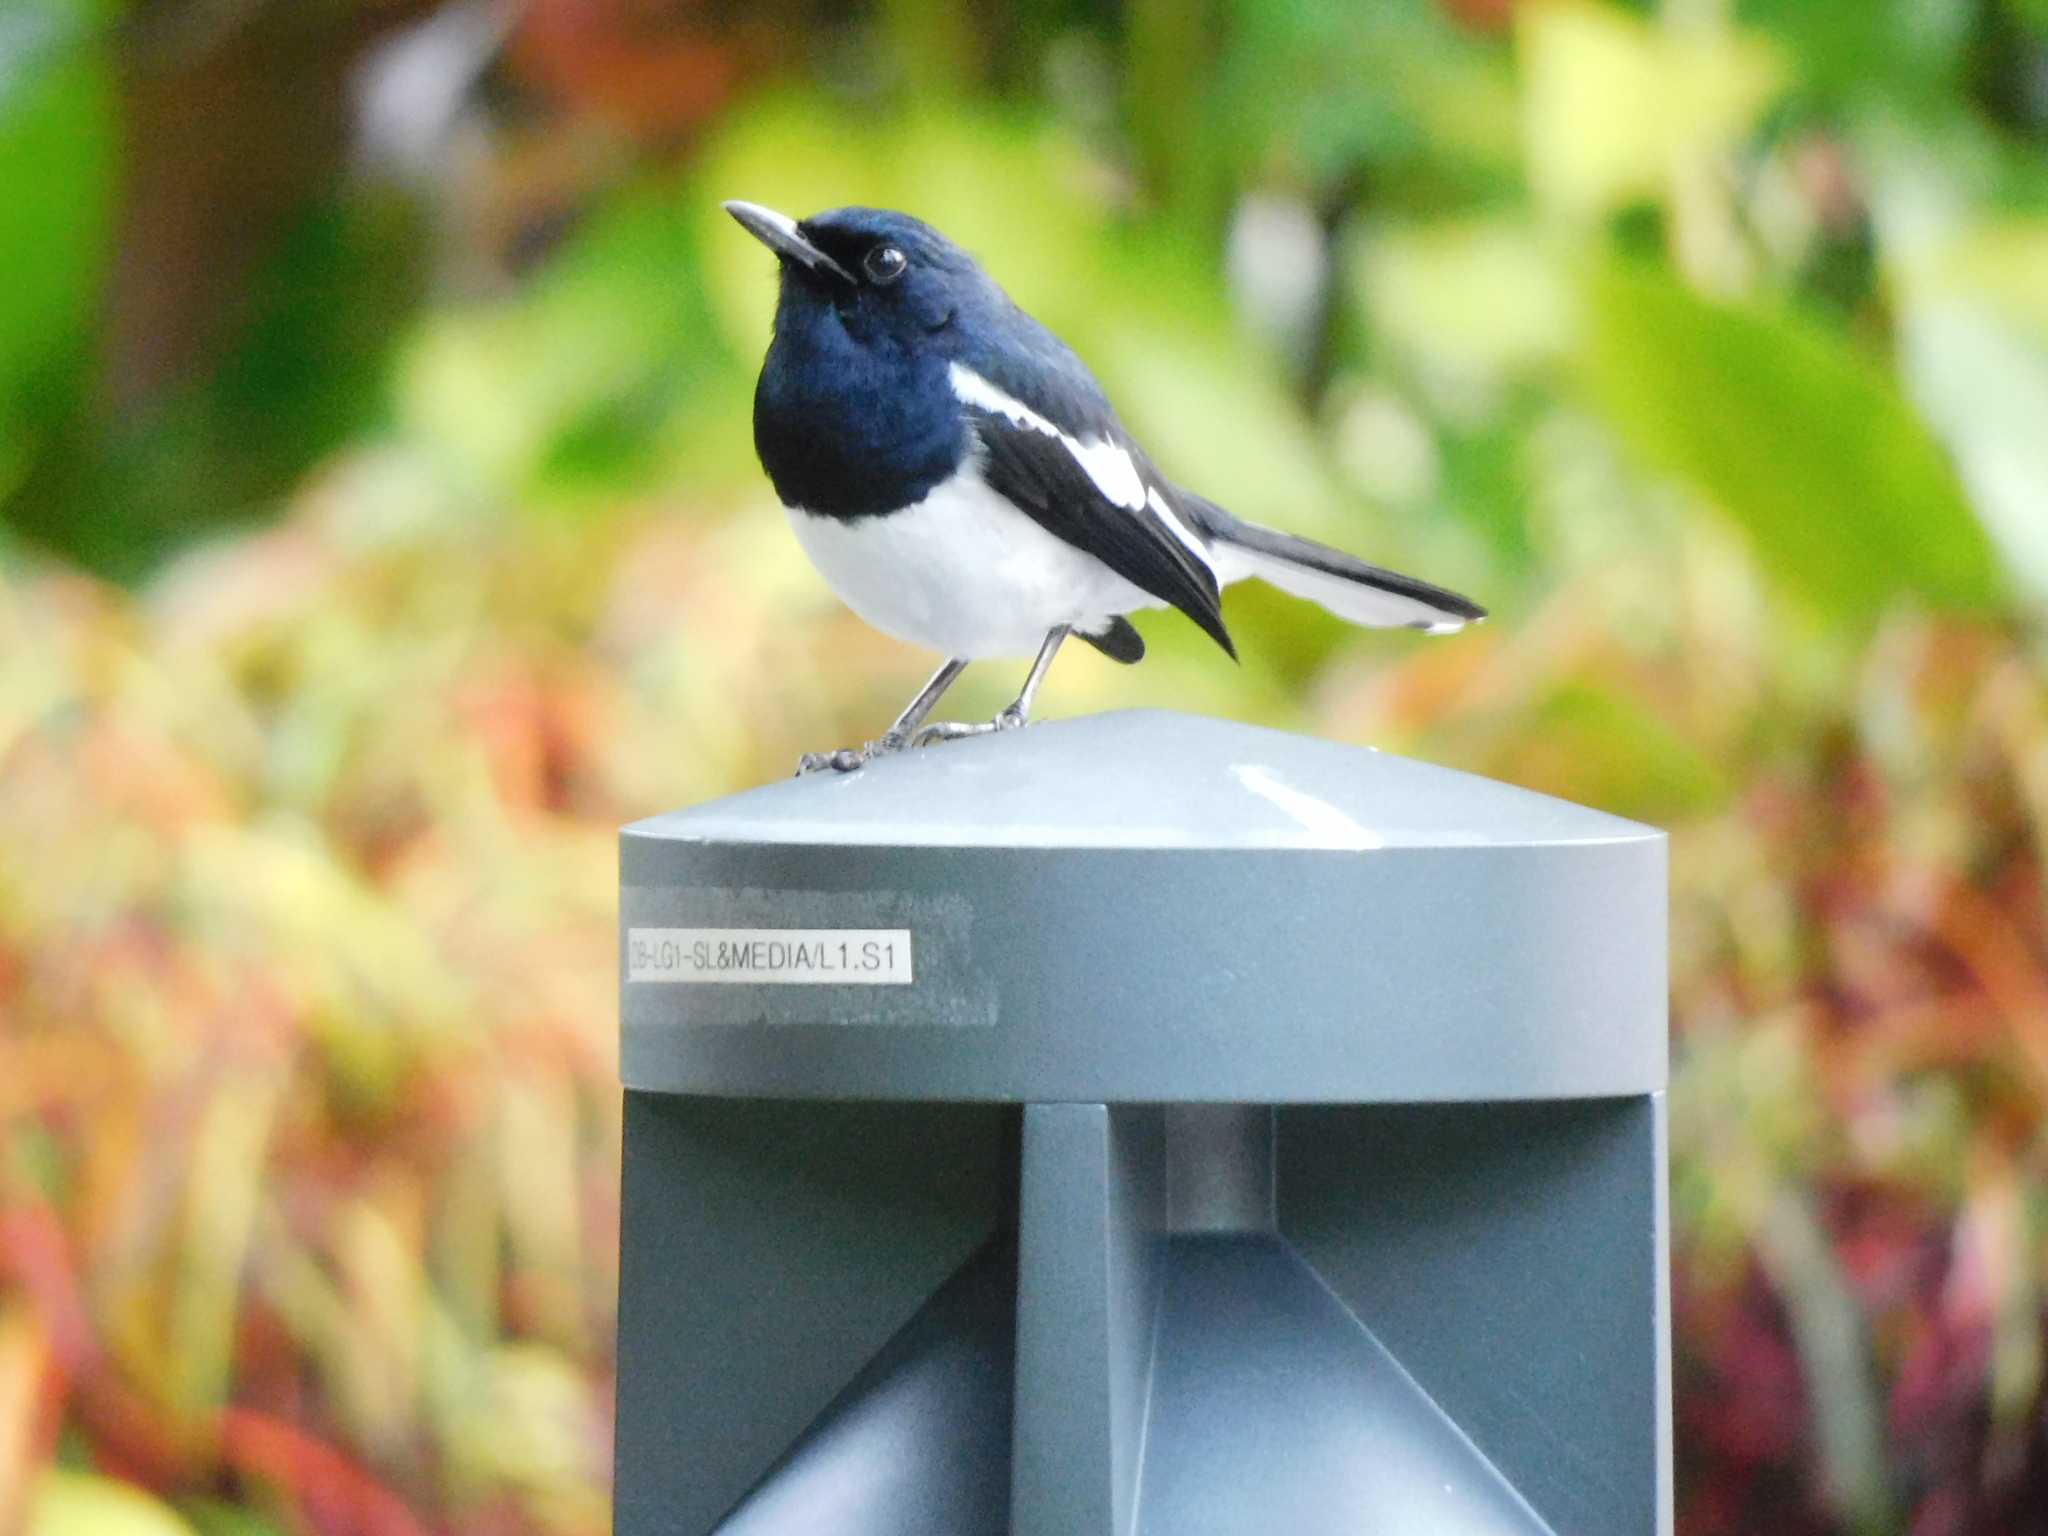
{"x":1346,"y":586}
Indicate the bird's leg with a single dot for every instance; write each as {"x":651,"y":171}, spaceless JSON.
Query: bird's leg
{"x":1016,"y":714}
{"x":898,"y":736}
{"x":1019,"y":712}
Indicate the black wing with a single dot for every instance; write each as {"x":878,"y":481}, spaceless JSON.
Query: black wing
{"x":1052,"y":447}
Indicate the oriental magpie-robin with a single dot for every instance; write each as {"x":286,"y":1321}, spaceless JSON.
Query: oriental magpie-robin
{"x":958,"y":477}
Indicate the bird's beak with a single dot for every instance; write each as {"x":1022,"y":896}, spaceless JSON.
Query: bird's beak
{"x":779,"y":233}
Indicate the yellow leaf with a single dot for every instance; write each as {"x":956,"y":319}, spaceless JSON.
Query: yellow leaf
{"x":82,"y":1504}
{"x":1612,"y":102}
{"x":1481,"y":296}
{"x":2000,"y":263}
{"x":223,"y":1192}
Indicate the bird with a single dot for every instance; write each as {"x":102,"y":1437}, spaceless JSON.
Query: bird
{"x":962,"y":483}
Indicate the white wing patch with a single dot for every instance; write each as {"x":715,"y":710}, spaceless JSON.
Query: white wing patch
{"x":1172,"y":520}
{"x":1111,"y":467}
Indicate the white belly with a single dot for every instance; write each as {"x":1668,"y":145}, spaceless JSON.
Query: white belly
{"x":964,"y":573}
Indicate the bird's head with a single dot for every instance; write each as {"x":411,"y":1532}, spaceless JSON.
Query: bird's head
{"x":886,"y":275}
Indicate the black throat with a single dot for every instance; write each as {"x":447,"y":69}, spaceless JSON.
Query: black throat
{"x":850,"y":420}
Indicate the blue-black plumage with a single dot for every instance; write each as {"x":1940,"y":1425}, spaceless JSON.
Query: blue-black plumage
{"x":962,"y":482}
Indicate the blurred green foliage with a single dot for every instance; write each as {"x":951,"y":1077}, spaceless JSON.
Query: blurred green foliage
{"x":56,"y":138}
{"x":1803,"y":442}
{"x":379,"y":528}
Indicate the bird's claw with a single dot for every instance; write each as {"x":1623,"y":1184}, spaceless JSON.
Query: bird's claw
{"x":1011,"y":719}
{"x":948,"y":730}
{"x":847,"y":759}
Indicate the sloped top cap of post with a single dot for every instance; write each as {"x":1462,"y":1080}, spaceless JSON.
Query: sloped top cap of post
{"x":1145,"y":779}
{"x":1143,"y":908}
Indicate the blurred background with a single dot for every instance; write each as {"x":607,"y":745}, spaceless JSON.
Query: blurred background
{"x":380,"y":528}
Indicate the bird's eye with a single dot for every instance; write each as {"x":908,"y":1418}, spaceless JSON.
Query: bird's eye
{"x":885,"y":263}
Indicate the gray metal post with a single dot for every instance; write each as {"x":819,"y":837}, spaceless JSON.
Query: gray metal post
{"x":1146,"y":1126}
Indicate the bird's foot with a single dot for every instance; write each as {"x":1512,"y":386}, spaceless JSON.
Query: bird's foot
{"x":1011,"y":719}
{"x":847,"y":759}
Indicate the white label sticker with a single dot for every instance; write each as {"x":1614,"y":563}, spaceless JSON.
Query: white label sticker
{"x":816,"y":957}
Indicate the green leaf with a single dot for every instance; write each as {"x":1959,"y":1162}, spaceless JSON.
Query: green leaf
{"x":574,"y":383}
{"x":1909,"y":57}
{"x":1610,"y":749}
{"x":57,"y":142}
{"x":1323,"y":89}
{"x":1983,"y":383}
{"x":214,"y":1518}
{"x":1846,"y":497}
